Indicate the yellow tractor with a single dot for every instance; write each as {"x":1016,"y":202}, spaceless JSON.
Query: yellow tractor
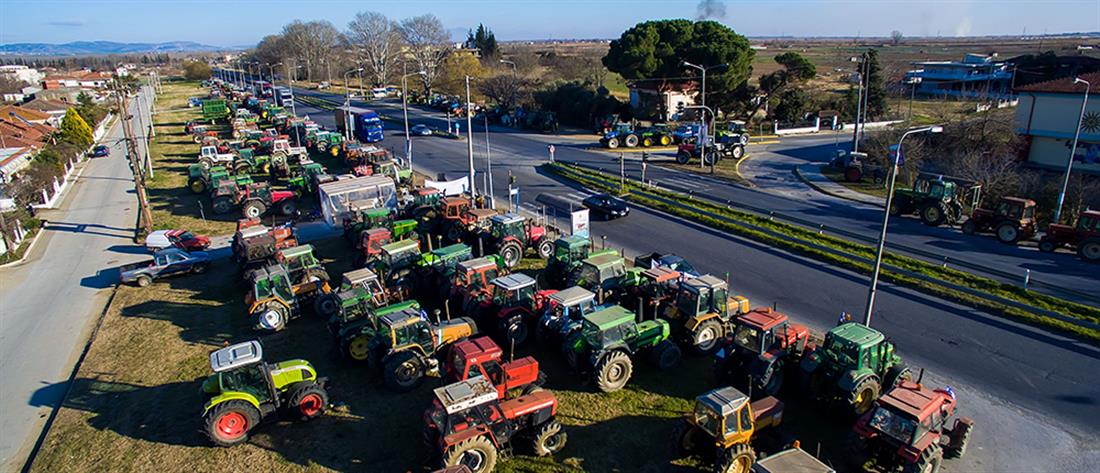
{"x":703,"y":312}
{"x":723,"y":424}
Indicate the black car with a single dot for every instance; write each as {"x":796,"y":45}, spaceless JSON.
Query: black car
{"x":606,"y":205}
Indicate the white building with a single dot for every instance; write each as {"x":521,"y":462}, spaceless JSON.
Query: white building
{"x":22,"y":73}
{"x":1047,"y":118}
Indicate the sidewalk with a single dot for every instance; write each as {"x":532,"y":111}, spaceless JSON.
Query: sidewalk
{"x":811,"y":175}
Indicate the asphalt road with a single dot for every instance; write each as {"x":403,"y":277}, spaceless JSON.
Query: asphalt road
{"x":772,"y":167}
{"x":47,"y":304}
{"x":1033,"y":390}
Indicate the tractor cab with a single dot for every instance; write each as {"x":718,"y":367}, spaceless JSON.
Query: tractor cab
{"x":620,"y":129}
{"x":570,"y":249}
{"x":705,"y":295}
{"x":271,"y":282}
{"x":301,"y":264}
{"x":426,"y":197}
{"x":609,"y":327}
{"x":476,"y":274}
{"x":372,"y":241}
{"x":367,"y":280}
{"x":404,"y":329}
{"x":399,"y":255}
{"x":655,"y":287}
{"x":1015,"y":208}
{"x":240,"y":368}
{"x":514,"y":290}
{"x":482,"y":357}
{"x":759,"y":331}
{"x":566,"y":309}
{"x":599,"y":272}
{"x":458,"y":208}
{"x":355,"y":303}
{"x":728,"y":418}
{"x":510,"y":226}
{"x":935,"y":188}
{"x":445,"y":259}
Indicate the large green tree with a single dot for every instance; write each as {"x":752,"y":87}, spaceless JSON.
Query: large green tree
{"x":654,"y":49}
{"x":75,"y":130}
{"x":484,"y":41}
{"x":794,"y":69}
{"x":876,"y":87}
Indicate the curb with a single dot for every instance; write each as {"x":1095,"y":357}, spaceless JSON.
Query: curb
{"x":830,"y":193}
{"x":27,"y":252}
{"x":737,"y":170}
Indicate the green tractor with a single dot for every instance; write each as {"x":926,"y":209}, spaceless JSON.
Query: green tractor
{"x":609,"y":338}
{"x":407,"y":347}
{"x":201,"y":180}
{"x":397,"y":263}
{"x":328,"y":142}
{"x":657,"y":135}
{"x":247,"y":162}
{"x":354,"y":325}
{"x":606,"y":274}
{"x":307,"y":177}
{"x":854,"y":366}
{"x":569,"y":251}
{"x":302,"y":265}
{"x":935,"y":201}
{"x":436,"y":269}
{"x":244,"y":390}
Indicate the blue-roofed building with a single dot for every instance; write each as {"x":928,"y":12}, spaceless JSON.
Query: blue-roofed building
{"x":976,"y":77}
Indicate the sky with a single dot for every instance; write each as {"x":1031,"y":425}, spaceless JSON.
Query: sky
{"x":244,"y":22}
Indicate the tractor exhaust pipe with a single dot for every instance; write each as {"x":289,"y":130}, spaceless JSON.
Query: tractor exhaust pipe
{"x":447,"y":309}
{"x":920,"y":377}
{"x":511,"y":350}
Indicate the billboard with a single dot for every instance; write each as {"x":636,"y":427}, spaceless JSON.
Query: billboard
{"x":578,"y":223}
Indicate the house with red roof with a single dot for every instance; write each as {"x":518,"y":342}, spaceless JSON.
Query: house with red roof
{"x":1047,"y":118}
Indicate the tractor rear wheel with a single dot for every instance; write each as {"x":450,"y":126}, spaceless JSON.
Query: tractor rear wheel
{"x":242,"y":168}
{"x":770,"y":380}
{"x":613,"y":371}
{"x":515,"y":330}
{"x":222,"y":205}
{"x":666,"y":355}
{"x":549,"y":439}
{"x":704,"y":339}
{"x":896,"y":374}
{"x":309,"y":400}
{"x":631,"y":141}
{"x":683,"y":157}
{"x":933,"y":214}
{"x":404,"y":371}
{"x":666,"y":140}
{"x":228,"y":423}
{"x":853,"y":174}
{"x":1089,"y":250}
{"x":454,"y":232}
{"x":863,"y":396}
{"x":478,"y":454}
{"x":253,"y":209}
{"x":511,"y":252}
{"x":647,"y":142}
{"x":736,"y":459}
{"x":969,"y":227}
{"x":737,"y":152}
{"x":545,"y":248}
{"x":613,"y":143}
{"x":206,"y":163}
{"x":929,"y":461}
{"x":272,"y":316}
{"x":326,"y":305}
{"x":1008,"y":233}
{"x":685,"y":439}
{"x":197,"y":185}
{"x":1047,"y":246}
{"x":322,"y":146}
{"x":288,"y":207}
{"x":960,"y":438}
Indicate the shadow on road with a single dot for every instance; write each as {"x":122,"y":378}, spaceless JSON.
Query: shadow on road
{"x":102,"y":279}
{"x":88,"y":228}
{"x":129,"y":249}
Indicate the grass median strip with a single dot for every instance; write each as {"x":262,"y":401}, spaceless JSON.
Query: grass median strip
{"x":701,"y":211}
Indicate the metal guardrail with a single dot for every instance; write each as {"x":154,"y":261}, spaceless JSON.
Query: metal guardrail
{"x":851,"y":235}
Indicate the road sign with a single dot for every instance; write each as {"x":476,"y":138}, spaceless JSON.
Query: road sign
{"x":896,"y":155}
{"x":579,"y":222}
{"x":550,"y":148}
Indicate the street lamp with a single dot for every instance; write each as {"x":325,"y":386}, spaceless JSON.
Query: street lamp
{"x":862,"y":60}
{"x":505,"y":61}
{"x":405,"y":109}
{"x":1073,"y":150}
{"x":886,"y":218}
{"x":271,"y":69}
{"x":704,"y":70}
{"x":347,"y":104}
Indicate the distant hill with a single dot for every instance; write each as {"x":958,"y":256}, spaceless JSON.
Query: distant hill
{"x":105,"y":47}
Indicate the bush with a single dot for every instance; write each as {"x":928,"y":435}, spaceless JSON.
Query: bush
{"x":196,"y":70}
{"x":576,"y":102}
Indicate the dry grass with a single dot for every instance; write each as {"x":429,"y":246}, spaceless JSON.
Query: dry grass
{"x":866,"y":186}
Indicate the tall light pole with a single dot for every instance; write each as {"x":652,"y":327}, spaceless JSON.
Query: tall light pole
{"x":405,"y":110}
{"x":1073,"y":150}
{"x":290,"y":84}
{"x":489,"y":165}
{"x":859,"y":102}
{"x":470,"y":143}
{"x":505,"y":61}
{"x":347,"y":104}
{"x":703,"y":69}
{"x":886,"y":219}
{"x":271,"y":69}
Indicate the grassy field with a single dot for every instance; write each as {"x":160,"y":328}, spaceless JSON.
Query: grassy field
{"x":866,"y":186}
{"x":136,"y":403}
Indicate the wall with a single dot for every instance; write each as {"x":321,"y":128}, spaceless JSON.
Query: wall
{"x":1051,"y":153}
{"x":1055,"y":115}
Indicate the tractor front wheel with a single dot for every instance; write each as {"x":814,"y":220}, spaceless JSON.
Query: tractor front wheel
{"x":197,"y":185}
{"x":666,"y":355}
{"x":613,"y":143}
{"x":737,"y":152}
{"x":863,"y":396}
{"x":253,"y":209}
{"x":272,"y":316}
{"x":515,"y":330}
{"x":222,"y":205}
{"x":404,"y":371}
{"x":288,"y":207}
{"x":613,"y":371}
{"x":1008,"y":233}
{"x":736,"y":459}
{"x":666,"y":140}
{"x":704,"y":339}
{"x":969,"y":227}
{"x":1089,"y":250}
{"x":647,"y":142}
{"x":1047,"y":246}
{"x":228,"y":423}
{"x":326,"y":306}
{"x":929,"y":461}
{"x":478,"y":454}
{"x":770,"y":380}
{"x":511,"y":252}
{"x":545,"y":248}
{"x":309,"y":401}
{"x":685,"y":439}
{"x":683,"y":157}
{"x":549,"y":439}
{"x":933,"y":214}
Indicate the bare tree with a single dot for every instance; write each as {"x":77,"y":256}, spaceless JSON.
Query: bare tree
{"x":310,"y":42}
{"x":896,"y":37}
{"x":375,"y":38}
{"x":504,"y":89}
{"x":429,"y":44}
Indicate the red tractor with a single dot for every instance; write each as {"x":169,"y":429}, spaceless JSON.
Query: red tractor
{"x":254,"y":245}
{"x":1085,"y":236}
{"x":470,"y":424}
{"x":369,"y":246}
{"x":471,"y":285}
{"x":909,"y":428}
{"x":511,"y":235}
{"x":513,"y":309}
{"x":253,"y":199}
{"x":763,"y":341}
{"x":482,"y":357}
{"x":1011,"y":220}
{"x":656,"y":287}
{"x":455,"y":218}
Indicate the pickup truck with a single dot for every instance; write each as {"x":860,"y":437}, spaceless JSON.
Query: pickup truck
{"x":164,"y":263}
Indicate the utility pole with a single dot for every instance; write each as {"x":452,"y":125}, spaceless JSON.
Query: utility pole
{"x":489,"y":164}
{"x":859,"y":108}
{"x":470,"y":143}
{"x":145,"y":217}
{"x":1073,"y":151}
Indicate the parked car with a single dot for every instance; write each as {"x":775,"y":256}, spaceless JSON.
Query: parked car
{"x":164,"y":263}
{"x":421,"y":130}
{"x":182,"y":239}
{"x":194,"y":102}
{"x":607,"y":206}
{"x":101,"y":151}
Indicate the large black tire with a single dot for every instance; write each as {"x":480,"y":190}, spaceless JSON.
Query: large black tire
{"x":197,"y":185}
{"x":853,"y":174}
{"x":454,"y":232}
{"x":737,"y":152}
{"x":515,"y":330}
{"x":404,"y":371}
{"x":228,"y":423}
{"x":683,"y":157}
{"x":770,"y":380}
{"x":1047,"y":246}
{"x":613,"y":143}
{"x":272,"y":316}
{"x":969,"y":227}
{"x":686,"y":439}
{"x":896,"y":209}
{"x":933,"y":214}
{"x":549,"y":439}
{"x":862,"y":398}
{"x":1008,"y":233}
{"x":665,"y":355}
{"x":1089,"y":250}
{"x":929,"y":462}
{"x":308,"y":401}
{"x":736,"y":459}
{"x":960,"y":439}
{"x":253,"y":209}
{"x":326,"y":305}
{"x":631,"y":141}
{"x":895,"y":375}
{"x":242,"y":168}
{"x":545,"y":248}
{"x":288,"y":207}
{"x":705,"y":337}
{"x":613,"y":371}
{"x":511,"y":252}
{"x":222,"y":205}
{"x":478,"y":454}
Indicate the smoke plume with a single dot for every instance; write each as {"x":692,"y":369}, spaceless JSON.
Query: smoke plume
{"x":711,"y":9}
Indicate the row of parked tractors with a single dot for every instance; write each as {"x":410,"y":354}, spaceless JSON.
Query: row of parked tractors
{"x":434,"y":294}
{"x":938,"y":201}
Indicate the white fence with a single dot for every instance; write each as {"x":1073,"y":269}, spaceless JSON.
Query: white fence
{"x":53,"y":194}
{"x":19,"y":234}
{"x":829,"y":124}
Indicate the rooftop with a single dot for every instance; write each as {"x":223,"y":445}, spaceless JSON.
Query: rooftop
{"x":572,"y":296}
{"x":610,"y":317}
{"x":763,"y":318}
{"x":1064,"y":85}
{"x":723,"y":400}
{"x":463,"y":395}
{"x":235,"y":356}
{"x":912,"y":399}
{"x":514,"y":281}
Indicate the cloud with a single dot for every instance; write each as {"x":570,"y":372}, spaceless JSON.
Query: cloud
{"x":67,"y":23}
{"x":711,"y":9}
